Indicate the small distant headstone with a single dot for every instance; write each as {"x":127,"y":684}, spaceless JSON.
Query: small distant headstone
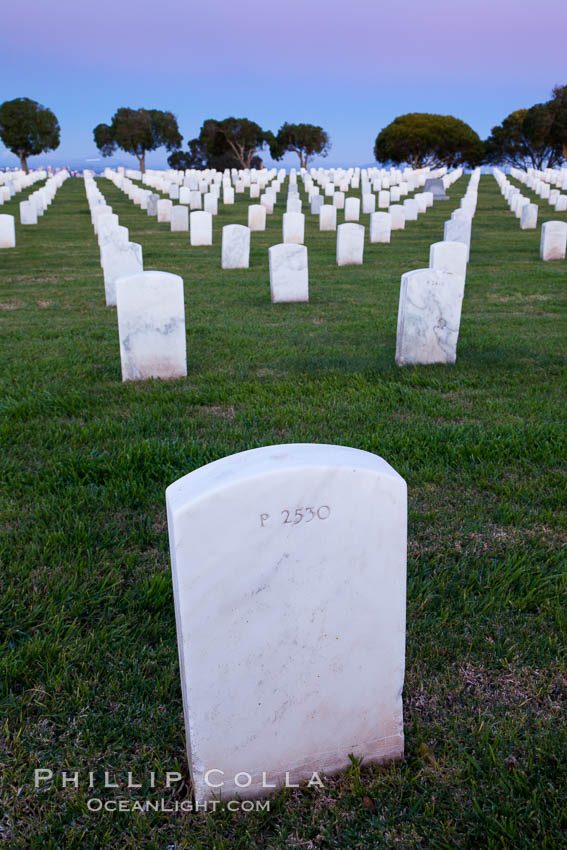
{"x":327,"y":217}
{"x":350,"y":244}
{"x":553,"y":240}
{"x":164,"y":210}
{"x":119,"y":259}
{"x":235,"y":246}
{"x":398,"y":216}
{"x":184,"y":195}
{"x":437,"y":187}
{"x":153,"y":201}
{"x":180,"y":218}
{"x":352,"y":209}
{"x":289,"y":277}
{"x":458,"y":230}
{"x":449,"y":257}
{"x":201,"y":229}
{"x":384,"y":198}
{"x":317,"y":202}
{"x":429,"y":317}
{"x":411,"y":209}
{"x":256,"y":217}
{"x":528,"y":217}
{"x":293,"y":205}
{"x":28,"y":213}
{"x":368,"y":203}
{"x":151,"y":326}
{"x":306,"y":668}
{"x":380,"y":227}
{"x":210,"y":203}
{"x":293,"y":227}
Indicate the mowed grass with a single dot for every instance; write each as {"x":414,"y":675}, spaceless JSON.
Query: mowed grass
{"x":90,"y":677}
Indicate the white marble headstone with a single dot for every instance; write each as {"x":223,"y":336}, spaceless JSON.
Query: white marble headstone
{"x":553,"y":240}
{"x":180,"y":218}
{"x":398,"y":216}
{"x":28,"y":213}
{"x":458,"y":230}
{"x":235,"y":247}
{"x":7,"y":231}
{"x":380,"y":227}
{"x":449,"y":257}
{"x":293,"y":227}
{"x":327,"y":217}
{"x":289,"y":574}
{"x":429,"y":317}
{"x":119,"y":259}
{"x":289,"y":276}
{"x":352,"y":209}
{"x":256,"y":217}
{"x":151,"y":326}
{"x":201,"y":232}
{"x":350,"y":244}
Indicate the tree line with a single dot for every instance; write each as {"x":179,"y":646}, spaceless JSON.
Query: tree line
{"x":535,"y":137}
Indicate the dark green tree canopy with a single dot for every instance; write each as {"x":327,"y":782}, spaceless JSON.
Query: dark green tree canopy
{"x":421,"y":139}
{"x":27,"y":128}
{"x":305,"y":140}
{"x":233,"y":140}
{"x":197,"y":156}
{"x":138,"y":131}
{"x":558,"y":108}
{"x":525,"y":138}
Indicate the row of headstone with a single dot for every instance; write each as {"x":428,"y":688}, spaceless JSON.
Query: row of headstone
{"x":150,"y":305}
{"x":118,"y":256}
{"x":519,"y":204}
{"x":306,"y":668}
{"x":12,"y":182}
{"x":39,"y":201}
{"x":547,"y":184}
{"x":458,"y":227}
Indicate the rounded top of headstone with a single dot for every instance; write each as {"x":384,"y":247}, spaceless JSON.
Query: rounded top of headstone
{"x":267,"y":460}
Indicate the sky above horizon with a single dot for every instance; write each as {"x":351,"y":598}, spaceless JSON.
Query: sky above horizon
{"x":351,"y":69}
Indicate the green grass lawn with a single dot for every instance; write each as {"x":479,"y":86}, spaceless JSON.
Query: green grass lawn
{"x":90,"y":678}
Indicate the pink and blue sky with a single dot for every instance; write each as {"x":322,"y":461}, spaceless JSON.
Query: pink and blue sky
{"x":351,"y":67}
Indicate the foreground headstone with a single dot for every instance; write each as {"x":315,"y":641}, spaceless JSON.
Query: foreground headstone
{"x":350,"y":244}
{"x":201,"y":232}
{"x":289,"y":277}
{"x":7,"y":231}
{"x":553,"y":243}
{"x":235,"y":246}
{"x":289,"y":572}
{"x":429,"y":317}
{"x":151,"y":326}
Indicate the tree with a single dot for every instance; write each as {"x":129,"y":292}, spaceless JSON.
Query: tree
{"x":27,"y":128}
{"x":526,"y":137}
{"x":236,"y":138}
{"x":138,"y":131}
{"x":558,"y":108}
{"x":421,"y":139}
{"x":303,"y":139}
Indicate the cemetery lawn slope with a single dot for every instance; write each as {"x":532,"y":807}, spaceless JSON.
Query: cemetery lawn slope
{"x":90,"y":678}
